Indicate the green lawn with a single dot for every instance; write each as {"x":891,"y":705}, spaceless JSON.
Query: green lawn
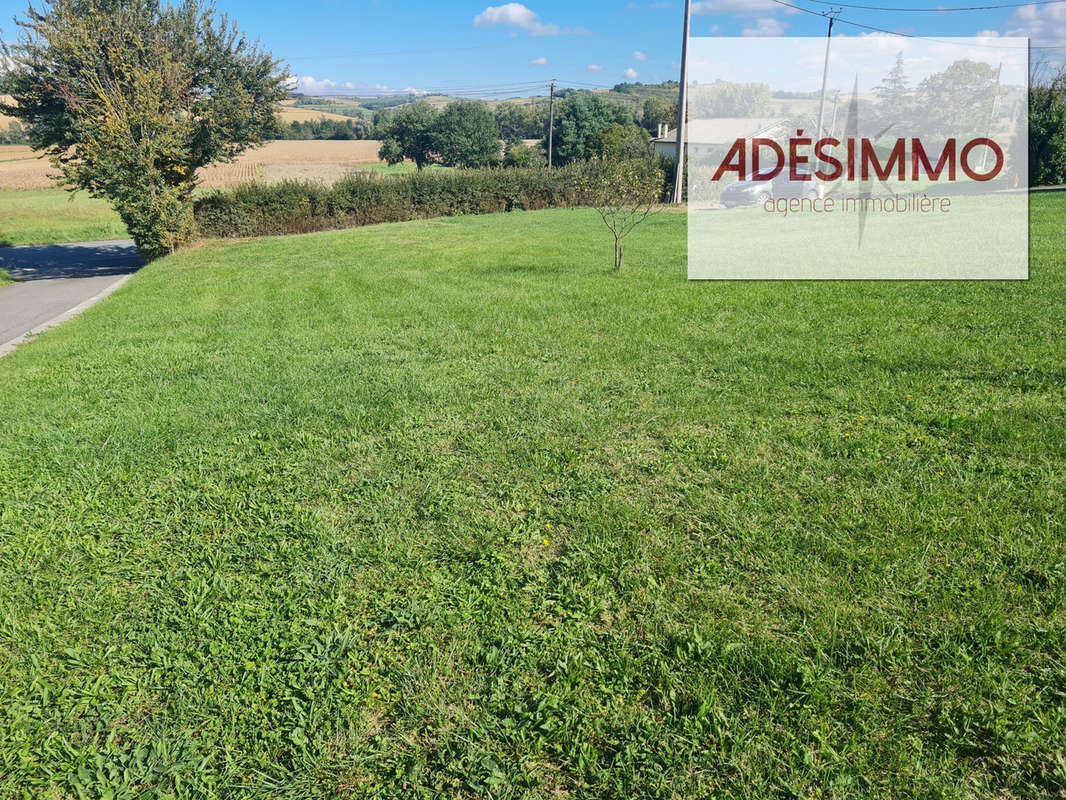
{"x":49,"y":216}
{"x":5,"y":278}
{"x":445,"y":509}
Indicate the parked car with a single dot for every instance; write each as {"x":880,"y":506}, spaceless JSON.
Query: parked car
{"x":746,"y":193}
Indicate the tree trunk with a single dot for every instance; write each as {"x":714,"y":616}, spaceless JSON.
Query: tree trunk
{"x":617,"y":255}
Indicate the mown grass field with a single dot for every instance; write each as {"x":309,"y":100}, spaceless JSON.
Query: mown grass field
{"x":47,"y":216}
{"x":445,"y":509}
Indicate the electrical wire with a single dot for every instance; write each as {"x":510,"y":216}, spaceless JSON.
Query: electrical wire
{"x":911,"y":35}
{"x":938,"y":10}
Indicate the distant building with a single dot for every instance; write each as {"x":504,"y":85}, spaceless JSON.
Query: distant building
{"x":709,"y":135}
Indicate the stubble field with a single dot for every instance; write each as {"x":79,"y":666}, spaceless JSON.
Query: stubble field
{"x":325,"y":161}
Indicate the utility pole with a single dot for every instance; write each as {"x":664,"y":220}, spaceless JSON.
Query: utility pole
{"x":825,"y":74}
{"x":992,"y":115}
{"x":551,"y":124}
{"x":682,"y":108}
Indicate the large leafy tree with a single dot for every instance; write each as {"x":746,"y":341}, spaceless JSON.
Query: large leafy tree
{"x":467,"y":136}
{"x":578,"y":120}
{"x":959,"y":101}
{"x":657,"y":112}
{"x":620,"y":143}
{"x":410,"y":133}
{"x":129,"y":98}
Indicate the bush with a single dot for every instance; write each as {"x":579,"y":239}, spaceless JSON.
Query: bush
{"x":359,"y":199}
{"x":524,"y":157}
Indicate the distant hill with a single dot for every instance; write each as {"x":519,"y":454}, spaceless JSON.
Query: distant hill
{"x":631,"y":95}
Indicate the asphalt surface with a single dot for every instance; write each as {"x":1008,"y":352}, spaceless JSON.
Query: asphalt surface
{"x":53,"y":279}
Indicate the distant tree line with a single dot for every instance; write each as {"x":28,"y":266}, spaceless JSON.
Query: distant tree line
{"x":327,"y":129}
{"x":469,"y":134}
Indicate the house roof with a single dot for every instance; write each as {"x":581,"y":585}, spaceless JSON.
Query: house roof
{"x":722,"y":130}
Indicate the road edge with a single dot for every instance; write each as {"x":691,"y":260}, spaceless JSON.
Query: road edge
{"x":8,"y":347}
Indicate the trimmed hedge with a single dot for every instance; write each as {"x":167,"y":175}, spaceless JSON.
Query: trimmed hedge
{"x":363,"y":199}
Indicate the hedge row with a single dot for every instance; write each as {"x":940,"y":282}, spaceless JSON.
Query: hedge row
{"x":364,"y":199}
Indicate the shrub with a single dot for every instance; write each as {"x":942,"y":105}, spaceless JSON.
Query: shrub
{"x":360,"y":199}
{"x":524,"y":157}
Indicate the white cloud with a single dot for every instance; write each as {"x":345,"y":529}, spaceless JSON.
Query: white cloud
{"x":538,"y":62}
{"x":1045,"y":25}
{"x":517,"y":15}
{"x":309,"y":85}
{"x":630,"y":73}
{"x":594,"y":68}
{"x":765,"y":26}
{"x":639,"y":56}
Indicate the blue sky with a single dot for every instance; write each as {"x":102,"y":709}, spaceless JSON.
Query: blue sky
{"x":478,"y":49}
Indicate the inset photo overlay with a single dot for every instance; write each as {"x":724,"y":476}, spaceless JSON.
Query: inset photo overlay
{"x":875,"y":158}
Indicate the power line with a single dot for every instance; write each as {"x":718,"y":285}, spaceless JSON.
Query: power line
{"x":938,"y":10}
{"x":913,"y":36}
{"x":402,"y":52}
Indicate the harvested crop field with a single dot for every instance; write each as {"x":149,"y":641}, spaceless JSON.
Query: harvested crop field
{"x":289,"y":114}
{"x":325,"y":161}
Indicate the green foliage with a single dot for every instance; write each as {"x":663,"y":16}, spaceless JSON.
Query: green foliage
{"x":410,"y":132}
{"x":577,"y":119}
{"x":624,"y":193}
{"x":663,"y":90}
{"x":620,"y":143}
{"x":15,"y":134}
{"x":524,"y":157}
{"x":467,"y":136}
{"x":331,"y":129}
{"x":658,"y":112}
{"x":131,"y":97}
{"x":298,"y":207}
{"x":1047,"y":133}
{"x":957,"y":101}
{"x":275,"y":524}
{"x":521,"y":121}
{"x":728,"y":99}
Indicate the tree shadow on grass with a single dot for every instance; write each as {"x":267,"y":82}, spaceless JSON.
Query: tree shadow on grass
{"x":46,"y":262}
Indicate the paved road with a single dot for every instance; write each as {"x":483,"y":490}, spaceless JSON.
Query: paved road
{"x":54,"y":279}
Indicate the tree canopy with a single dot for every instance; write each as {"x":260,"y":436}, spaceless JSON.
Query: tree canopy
{"x":578,"y":119}
{"x":409,"y":133}
{"x":129,"y":98}
{"x":467,"y":136}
